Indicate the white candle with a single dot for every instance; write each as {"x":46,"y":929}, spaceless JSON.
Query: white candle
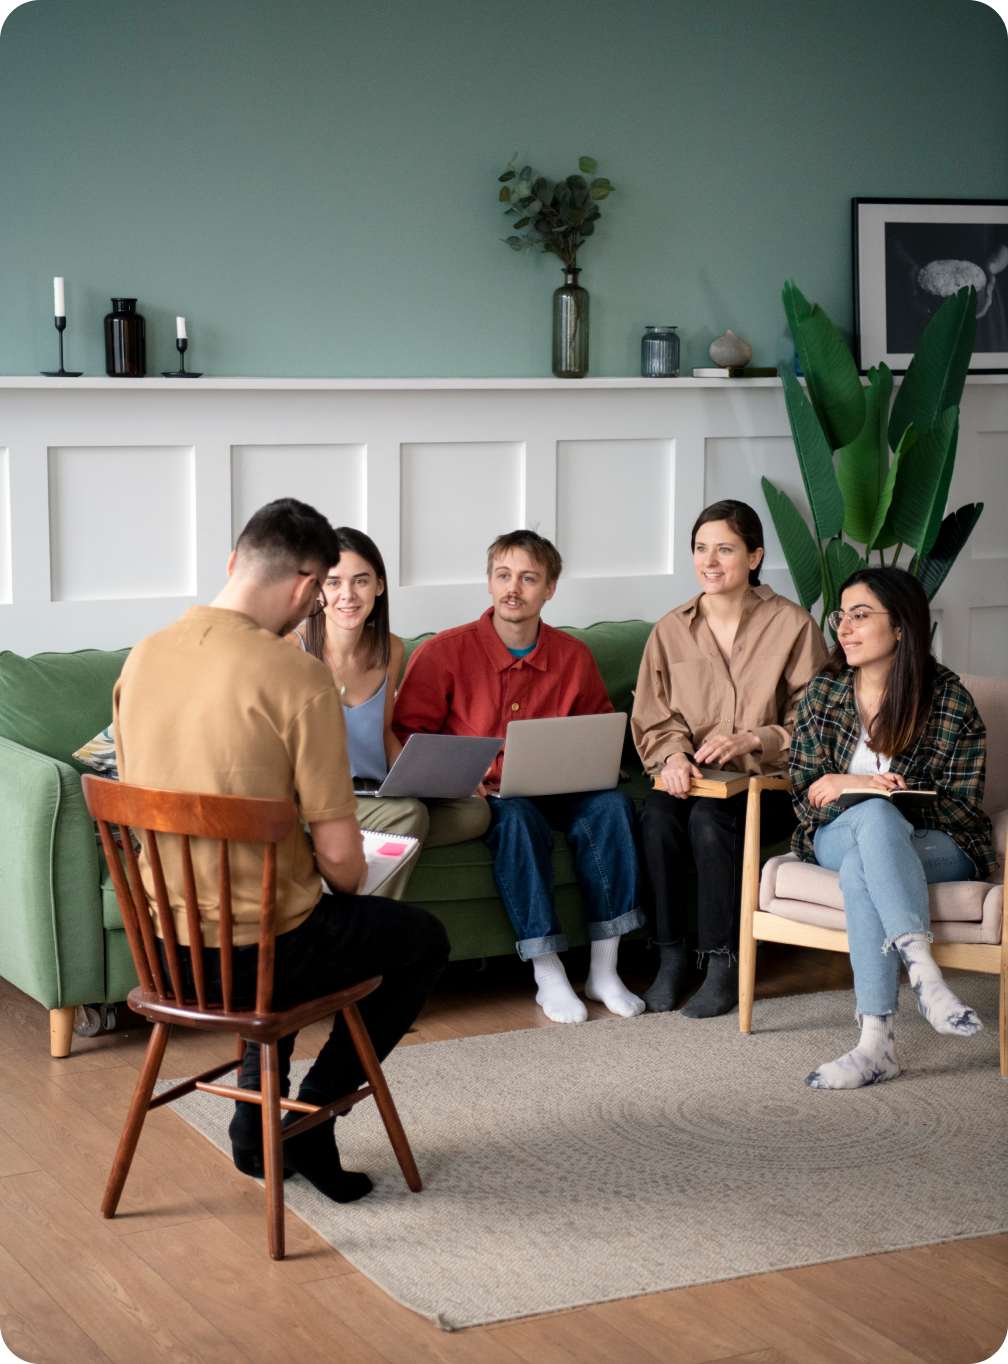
{"x":180,"y":328}
{"x":58,"y":295}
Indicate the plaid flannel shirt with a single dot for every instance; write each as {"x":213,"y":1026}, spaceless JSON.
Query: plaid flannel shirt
{"x":949,"y":758}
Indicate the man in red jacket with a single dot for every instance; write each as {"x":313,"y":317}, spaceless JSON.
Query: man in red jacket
{"x":511,"y":665}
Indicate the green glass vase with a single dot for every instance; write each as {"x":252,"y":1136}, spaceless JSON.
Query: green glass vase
{"x":570,"y":327}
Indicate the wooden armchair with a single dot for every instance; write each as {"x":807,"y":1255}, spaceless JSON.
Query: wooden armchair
{"x":241,"y":820}
{"x":799,"y":902}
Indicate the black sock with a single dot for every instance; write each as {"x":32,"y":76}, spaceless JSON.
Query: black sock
{"x":668,"y":983}
{"x":719,"y":992}
{"x":314,"y":1155}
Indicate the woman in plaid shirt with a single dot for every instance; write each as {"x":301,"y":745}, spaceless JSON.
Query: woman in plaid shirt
{"x":884,"y":715}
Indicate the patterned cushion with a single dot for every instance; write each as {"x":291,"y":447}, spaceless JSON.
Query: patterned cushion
{"x":100,"y":754}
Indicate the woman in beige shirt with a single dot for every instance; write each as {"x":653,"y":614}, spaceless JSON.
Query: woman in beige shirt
{"x":719,"y":684}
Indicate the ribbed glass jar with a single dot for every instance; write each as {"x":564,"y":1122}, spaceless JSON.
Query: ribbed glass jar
{"x":125,"y":342}
{"x":659,"y":353}
{"x":570,"y":328}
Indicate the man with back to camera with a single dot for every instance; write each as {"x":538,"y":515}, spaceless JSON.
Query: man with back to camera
{"x":218,"y":703}
{"x":511,"y":665}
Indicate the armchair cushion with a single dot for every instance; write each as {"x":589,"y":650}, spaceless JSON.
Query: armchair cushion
{"x":961,"y":911}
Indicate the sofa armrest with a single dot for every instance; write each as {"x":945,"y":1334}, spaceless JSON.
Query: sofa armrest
{"x":52,"y":944}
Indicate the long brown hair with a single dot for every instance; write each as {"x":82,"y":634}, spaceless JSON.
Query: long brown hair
{"x":903,"y":712}
{"x":375,"y":640}
{"x":740,"y":518}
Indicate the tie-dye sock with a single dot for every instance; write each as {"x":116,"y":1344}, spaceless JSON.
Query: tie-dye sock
{"x":872,"y":1060}
{"x":554,"y":995}
{"x":935,"y":1000}
{"x":603,"y":983}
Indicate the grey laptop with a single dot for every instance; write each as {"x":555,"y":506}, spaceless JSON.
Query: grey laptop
{"x":439,"y":766}
{"x":568,"y":754}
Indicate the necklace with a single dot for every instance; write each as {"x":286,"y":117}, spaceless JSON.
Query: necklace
{"x":342,"y":690}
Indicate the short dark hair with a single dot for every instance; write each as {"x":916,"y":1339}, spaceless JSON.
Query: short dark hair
{"x":540,"y":550}
{"x":905,"y":707}
{"x":375,"y":642}
{"x":283,"y":535}
{"x":743,"y":521}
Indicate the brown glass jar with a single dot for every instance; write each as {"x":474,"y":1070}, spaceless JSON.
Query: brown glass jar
{"x":125,"y":342}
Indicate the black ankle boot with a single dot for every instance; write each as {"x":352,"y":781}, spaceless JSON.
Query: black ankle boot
{"x":719,"y":992}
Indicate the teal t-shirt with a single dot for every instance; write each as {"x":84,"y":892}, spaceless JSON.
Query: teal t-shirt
{"x":520,"y":653}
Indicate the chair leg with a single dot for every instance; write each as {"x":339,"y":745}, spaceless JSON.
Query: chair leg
{"x":272,"y":1150}
{"x":750,"y":899}
{"x":383,"y":1098}
{"x":1003,"y":1005}
{"x":135,"y":1118}
{"x":61,"y":1023}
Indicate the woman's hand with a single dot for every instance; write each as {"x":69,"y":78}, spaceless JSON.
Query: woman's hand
{"x":677,"y":774}
{"x":719,"y":748}
{"x":827,"y":789}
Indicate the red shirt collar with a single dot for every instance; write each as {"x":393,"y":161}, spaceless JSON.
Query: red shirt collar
{"x":500,"y":655}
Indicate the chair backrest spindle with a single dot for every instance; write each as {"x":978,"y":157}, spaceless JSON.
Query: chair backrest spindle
{"x":226,"y":932}
{"x":186,"y":815}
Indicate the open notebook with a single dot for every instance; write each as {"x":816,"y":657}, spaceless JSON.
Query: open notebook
{"x":385,"y":854}
{"x":903,"y":800}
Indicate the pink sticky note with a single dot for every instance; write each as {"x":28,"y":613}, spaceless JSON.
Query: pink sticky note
{"x":392,"y":850}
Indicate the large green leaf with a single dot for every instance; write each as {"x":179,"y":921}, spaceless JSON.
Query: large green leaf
{"x":923,"y":482}
{"x":933,"y":569}
{"x":800,"y":550}
{"x":834,"y":384}
{"x":842,"y":560}
{"x":815,"y":459}
{"x":882,"y":535}
{"x":864,"y":464}
{"x":934,"y":382}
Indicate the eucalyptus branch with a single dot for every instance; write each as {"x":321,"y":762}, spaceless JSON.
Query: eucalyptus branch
{"x":557,"y":219}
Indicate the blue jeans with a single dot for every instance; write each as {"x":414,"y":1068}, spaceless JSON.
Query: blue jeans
{"x":885,"y":866}
{"x":599,"y":827}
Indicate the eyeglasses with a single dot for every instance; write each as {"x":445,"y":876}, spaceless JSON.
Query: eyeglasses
{"x":322,"y":603}
{"x":856,"y":618}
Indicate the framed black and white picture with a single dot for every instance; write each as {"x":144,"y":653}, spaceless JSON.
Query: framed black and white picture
{"x":909,"y":255}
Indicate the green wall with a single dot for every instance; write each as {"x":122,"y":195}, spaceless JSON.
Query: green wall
{"x":313,"y":183}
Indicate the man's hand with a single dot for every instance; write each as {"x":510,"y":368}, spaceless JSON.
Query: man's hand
{"x":719,"y":748}
{"x":339,"y":853}
{"x":827,"y":789}
{"x":677,"y":774}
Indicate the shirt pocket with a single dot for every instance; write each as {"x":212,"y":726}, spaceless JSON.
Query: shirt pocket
{"x":693,"y":693}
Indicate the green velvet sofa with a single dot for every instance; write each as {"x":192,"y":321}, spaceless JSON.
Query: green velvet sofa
{"x":61,"y":937}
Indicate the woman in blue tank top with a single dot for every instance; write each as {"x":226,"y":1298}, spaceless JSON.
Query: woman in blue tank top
{"x":352,"y":638}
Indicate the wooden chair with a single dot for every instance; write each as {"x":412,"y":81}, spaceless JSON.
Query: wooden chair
{"x":799,"y":902}
{"x":241,"y":820}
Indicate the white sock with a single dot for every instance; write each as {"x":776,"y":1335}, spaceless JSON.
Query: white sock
{"x":873,"y":1059}
{"x":554,"y":995}
{"x":935,"y":1000}
{"x":605,"y":986}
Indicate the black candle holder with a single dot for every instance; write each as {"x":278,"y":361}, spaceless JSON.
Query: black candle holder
{"x":62,"y":373}
{"x":181,"y":345}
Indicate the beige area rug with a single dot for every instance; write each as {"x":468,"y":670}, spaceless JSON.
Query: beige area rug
{"x":572,"y":1165}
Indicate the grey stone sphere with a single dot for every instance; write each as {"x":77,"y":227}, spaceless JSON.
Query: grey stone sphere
{"x":730,"y":350}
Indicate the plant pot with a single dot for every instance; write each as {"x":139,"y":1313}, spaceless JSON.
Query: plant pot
{"x":570,"y":328}
{"x":125,"y":342}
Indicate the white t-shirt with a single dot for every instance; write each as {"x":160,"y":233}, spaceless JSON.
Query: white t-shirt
{"x":865,"y":763}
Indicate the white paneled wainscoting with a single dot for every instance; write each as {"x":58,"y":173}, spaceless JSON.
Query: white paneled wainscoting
{"x":120,"y":499}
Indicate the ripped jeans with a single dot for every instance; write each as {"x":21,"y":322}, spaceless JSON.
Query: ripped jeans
{"x":885,"y":866}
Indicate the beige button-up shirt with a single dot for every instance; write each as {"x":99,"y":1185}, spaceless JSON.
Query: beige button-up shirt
{"x":686,"y":691}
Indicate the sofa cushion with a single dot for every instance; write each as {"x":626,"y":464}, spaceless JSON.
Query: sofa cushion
{"x":54,"y":703}
{"x":949,"y":901}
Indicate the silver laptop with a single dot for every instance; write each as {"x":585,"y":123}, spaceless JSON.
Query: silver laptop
{"x":445,"y":766}
{"x":567,"y":754}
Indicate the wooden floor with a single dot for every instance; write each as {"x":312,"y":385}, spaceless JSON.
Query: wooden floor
{"x":182,"y":1273}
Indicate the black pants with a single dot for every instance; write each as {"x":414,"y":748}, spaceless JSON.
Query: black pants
{"x":345,"y":939}
{"x":710,"y":833}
